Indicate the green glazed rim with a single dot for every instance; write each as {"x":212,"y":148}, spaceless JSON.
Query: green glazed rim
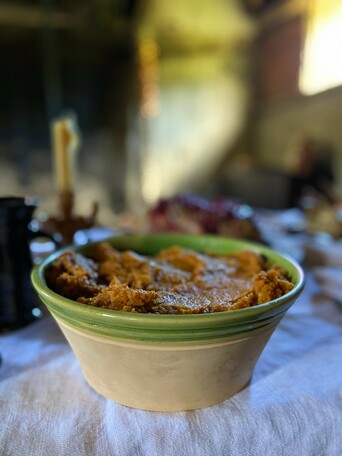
{"x":170,"y":328}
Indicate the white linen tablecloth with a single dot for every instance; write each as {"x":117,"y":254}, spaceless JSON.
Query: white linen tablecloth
{"x":293,"y":405}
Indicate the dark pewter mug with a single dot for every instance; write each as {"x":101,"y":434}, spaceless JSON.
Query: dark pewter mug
{"x":19,"y":304}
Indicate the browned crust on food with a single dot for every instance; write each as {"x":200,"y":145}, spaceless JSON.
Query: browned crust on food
{"x":175,"y":281}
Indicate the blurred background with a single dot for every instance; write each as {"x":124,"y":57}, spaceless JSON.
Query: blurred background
{"x":218,"y":97}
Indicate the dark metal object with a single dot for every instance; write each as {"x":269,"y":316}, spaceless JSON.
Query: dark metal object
{"x":19,"y":304}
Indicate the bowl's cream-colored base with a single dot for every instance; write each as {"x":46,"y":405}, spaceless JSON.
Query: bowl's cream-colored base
{"x":167,"y":377}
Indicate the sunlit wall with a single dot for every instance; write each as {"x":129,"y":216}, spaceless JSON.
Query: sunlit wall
{"x":322,"y":54}
{"x":194,"y":95}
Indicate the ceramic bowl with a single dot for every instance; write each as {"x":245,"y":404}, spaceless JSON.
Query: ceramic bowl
{"x":169,"y":362}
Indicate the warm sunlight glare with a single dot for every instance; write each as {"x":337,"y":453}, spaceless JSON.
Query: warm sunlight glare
{"x":322,"y":55}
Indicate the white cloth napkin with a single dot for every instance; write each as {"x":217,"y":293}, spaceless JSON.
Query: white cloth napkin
{"x":293,"y":405}
{"x":330,"y":280}
{"x":324,"y":252}
{"x":324,"y":256}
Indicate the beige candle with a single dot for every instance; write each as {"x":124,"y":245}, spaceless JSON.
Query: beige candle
{"x":65,"y":143}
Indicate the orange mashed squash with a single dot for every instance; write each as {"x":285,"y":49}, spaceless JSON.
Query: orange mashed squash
{"x":175,"y":281}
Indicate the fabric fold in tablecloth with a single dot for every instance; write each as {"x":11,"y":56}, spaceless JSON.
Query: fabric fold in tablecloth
{"x":293,"y":405}
{"x":330,"y":281}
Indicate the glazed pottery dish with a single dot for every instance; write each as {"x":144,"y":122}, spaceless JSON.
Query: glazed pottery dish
{"x":169,"y":362}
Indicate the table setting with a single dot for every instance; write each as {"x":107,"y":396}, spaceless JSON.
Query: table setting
{"x":292,"y":404}
{"x":289,"y":402}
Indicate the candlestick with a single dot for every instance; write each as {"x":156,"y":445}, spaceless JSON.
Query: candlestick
{"x":65,"y":141}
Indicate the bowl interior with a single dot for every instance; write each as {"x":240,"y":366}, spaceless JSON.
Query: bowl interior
{"x":173,"y":327}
